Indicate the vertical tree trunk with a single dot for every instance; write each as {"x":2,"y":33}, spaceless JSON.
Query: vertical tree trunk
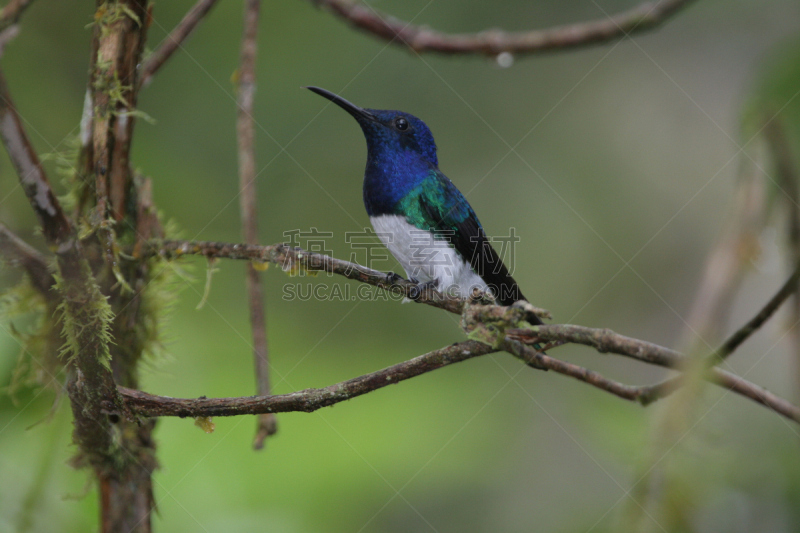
{"x":125,"y":468}
{"x":126,"y":492}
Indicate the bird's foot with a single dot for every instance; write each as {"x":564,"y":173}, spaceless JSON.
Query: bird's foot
{"x":535,"y":314}
{"x":477,"y":296}
{"x":416,"y":291}
{"x":392,"y":278}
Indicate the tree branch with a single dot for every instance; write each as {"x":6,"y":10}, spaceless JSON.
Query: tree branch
{"x":668,"y":386}
{"x":603,"y":340}
{"x":540,"y":360}
{"x":644,"y":17}
{"x":296,"y":261}
{"x":245,"y":133}
{"x":18,"y":253}
{"x":93,"y":392}
{"x":752,"y":325}
{"x":12,"y":11}
{"x":174,"y":40}
{"x":758,"y":394}
{"x":55,"y":226}
{"x":84,"y":312}
{"x":308,"y":400}
{"x":125,"y":486}
{"x":120,"y":34}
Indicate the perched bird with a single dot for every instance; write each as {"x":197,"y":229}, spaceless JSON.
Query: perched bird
{"x":417,"y":212}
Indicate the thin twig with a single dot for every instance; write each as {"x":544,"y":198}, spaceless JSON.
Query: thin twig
{"x":668,"y":386}
{"x":6,"y":36}
{"x":743,"y":333}
{"x":308,"y":400}
{"x":18,"y":253}
{"x":12,"y":11}
{"x":175,"y":39}
{"x":540,"y":360}
{"x":758,"y":394}
{"x":644,"y":17}
{"x":607,"y":341}
{"x":296,"y":261}
{"x":55,"y":226}
{"x":723,"y":378}
{"x":245,"y":133}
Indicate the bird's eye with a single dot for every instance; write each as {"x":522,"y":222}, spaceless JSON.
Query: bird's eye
{"x":401,"y":124}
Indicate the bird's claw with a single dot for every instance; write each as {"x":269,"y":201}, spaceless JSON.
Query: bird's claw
{"x":416,"y":291}
{"x":477,"y":296}
{"x":392,"y":278}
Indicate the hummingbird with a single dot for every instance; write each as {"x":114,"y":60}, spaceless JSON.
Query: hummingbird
{"x":417,"y":212}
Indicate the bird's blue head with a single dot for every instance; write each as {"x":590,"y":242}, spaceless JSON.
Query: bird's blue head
{"x":393,"y":137}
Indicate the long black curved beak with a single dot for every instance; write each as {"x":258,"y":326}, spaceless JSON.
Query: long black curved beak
{"x":351,"y":108}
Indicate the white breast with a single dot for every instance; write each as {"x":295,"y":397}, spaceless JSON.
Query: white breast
{"x":425,"y":258}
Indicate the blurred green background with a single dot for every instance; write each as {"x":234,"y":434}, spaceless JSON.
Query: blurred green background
{"x":625,"y":169}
